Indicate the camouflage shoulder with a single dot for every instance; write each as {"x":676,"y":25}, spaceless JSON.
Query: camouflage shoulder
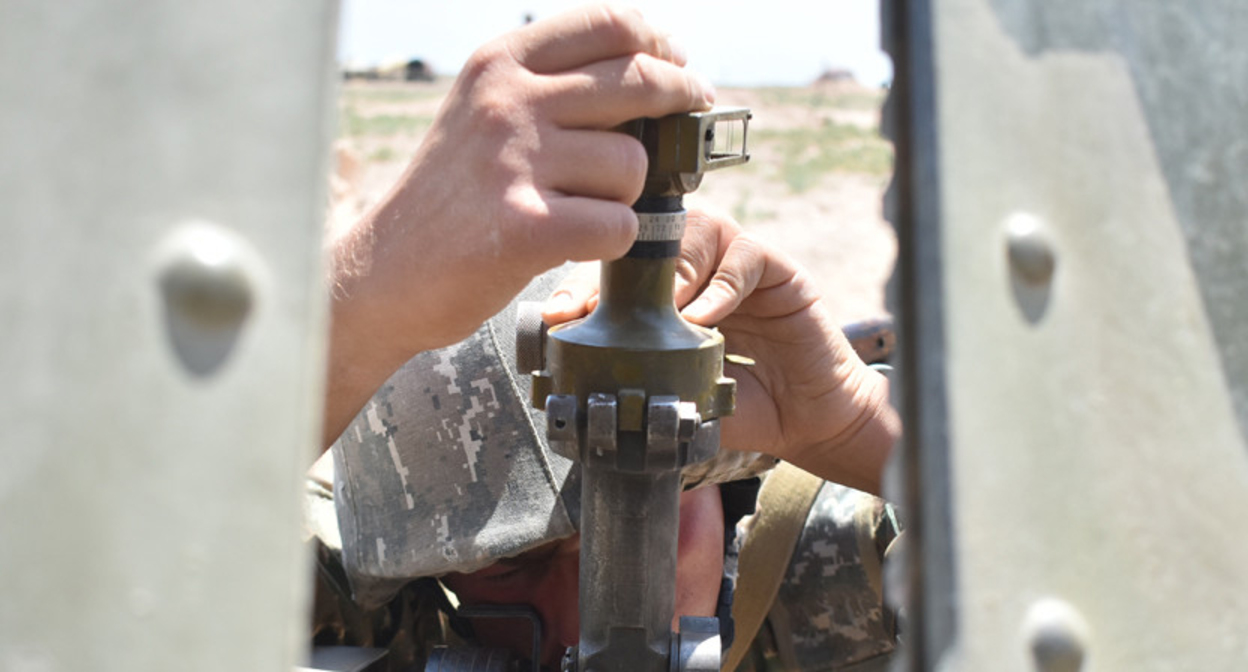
{"x":829,"y":613}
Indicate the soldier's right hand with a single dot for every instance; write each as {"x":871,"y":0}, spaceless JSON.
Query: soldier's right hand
{"x":518,"y":173}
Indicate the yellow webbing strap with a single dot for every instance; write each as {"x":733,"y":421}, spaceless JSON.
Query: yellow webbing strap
{"x":783,"y":504}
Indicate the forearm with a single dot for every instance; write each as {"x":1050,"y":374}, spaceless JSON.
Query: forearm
{"x":354,"y":374}
{"x":360,"y":356}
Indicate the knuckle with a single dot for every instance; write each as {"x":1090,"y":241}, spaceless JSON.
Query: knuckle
{"x":632,"y":162}
{"x":687,"y":269}
{"x":641,"y":73}
{"x":692,"y":259}
{"x":525,"y":210}
{"x":667,"y":86}
{"x":621,"y":24}
{"x":495,"y":95}
{"x":743,"y":261}
{"x":730,"y":280}
{"x":698,"y":251}
{"x":619,"y":228}
{"x":632,"y":156}
{"x":692,"y":91}
{"x":484,"y":59}
{"x":749,"y":247}
{"x":501,"y":114}
{"x":476,"y":65}
{"x":491,"y":109}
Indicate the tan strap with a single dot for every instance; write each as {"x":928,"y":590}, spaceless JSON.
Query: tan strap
{"x":783,"y":504}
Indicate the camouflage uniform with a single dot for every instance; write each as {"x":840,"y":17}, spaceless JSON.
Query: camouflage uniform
{"x":445,"y":470}
{"x":828,"y":613}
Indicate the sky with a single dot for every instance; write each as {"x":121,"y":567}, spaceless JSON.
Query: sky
{"x":732,"y":42}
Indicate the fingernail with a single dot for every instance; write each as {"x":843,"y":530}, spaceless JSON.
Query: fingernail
{"x":696,"y":309}
{"x":679,"y":55}
{"x":708,"y":89}
{"x":559,"y":302}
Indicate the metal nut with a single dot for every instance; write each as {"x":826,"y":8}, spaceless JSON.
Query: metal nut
{"x":207,"y":277}
{"x":602,"y":413}
{"x":561,"y":417}
{"x":725,"y":397}
{"x":632,"y":410}
{"x":1057,"y":635}
{"x":1030,"y":249}
{"x":541,"y":387}
{"x":204,"y":281}
{"x":689,"y":421}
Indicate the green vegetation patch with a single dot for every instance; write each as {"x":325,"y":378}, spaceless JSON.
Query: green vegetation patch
{"x":396,"y":95}
{"x":385,"y":125}
{"x":807,"y":154}
{"x":745,"y":212}
{"x":813,"y":96}
{"x":383,"y":154}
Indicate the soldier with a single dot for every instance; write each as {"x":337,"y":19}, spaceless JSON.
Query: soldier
{"x":443,"y":474}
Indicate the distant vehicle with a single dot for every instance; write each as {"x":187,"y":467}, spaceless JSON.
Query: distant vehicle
{"x":417,"y":70}
{"x":414,"y":70}
{"x":835,"y":76}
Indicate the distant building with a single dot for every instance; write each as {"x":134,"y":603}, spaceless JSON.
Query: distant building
{"x":418,"y":71}
{"x":413,"y":70}
{"x":836,"y":76}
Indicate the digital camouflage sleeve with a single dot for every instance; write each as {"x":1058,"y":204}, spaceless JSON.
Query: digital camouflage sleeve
{"x":828,"y":613}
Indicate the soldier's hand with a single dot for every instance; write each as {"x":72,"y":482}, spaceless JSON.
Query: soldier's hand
{"x":808,"y":399}
{"x":518,"y":173}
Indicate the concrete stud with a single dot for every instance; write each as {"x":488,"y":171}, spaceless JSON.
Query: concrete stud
{"x":1057,"y":635}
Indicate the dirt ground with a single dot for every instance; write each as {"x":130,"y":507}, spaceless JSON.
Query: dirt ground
{"x":822,"y":207}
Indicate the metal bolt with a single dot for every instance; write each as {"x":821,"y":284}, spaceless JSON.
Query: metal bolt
{"x":725,"y":397}
{"x":1057,"y":634}
{"x":208,"y":278}
{"x":561,"y":417}
{"x":541,"y":388}
{"x":1030,"y":249}
{"x":601,"y":423}
{"x":568,"y":664}
{"x":689,"y":421}
{"x":205,"y":283}
{"x":632,"y":404}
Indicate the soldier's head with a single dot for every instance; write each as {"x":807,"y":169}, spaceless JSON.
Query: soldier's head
{"x":445,"y":473}
{"x":546,"y":578}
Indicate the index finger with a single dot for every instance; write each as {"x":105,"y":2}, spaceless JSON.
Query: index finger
{"x":586,"y":35}
{"x":707,"y":237}
{"x":742,"y":267}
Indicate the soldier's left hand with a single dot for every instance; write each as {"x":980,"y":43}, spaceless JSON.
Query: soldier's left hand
{"x":808,"y":399}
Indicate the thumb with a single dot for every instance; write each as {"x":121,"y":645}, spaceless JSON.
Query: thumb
{"x":575,"y":297}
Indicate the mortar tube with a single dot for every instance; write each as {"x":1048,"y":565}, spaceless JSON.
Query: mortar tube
{"x":628,"y":568}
